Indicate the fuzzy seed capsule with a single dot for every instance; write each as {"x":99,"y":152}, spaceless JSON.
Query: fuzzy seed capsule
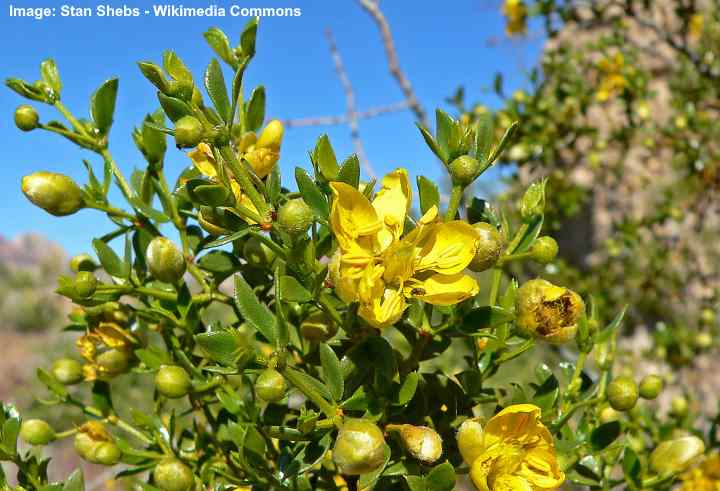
{"x":270,"y":385}
{"x":188,"y":132}
{"x":651,"y":386}
{"x":165,"y":260}
{"x":172,"y":475}
{"x":463,"y":170}
{"x":26,"y":118}
{"x":622,"y":393}
{"x":67,"y":371}
{"x":359,"y":447}
{"x":55,"y":193}
{"x":36,"y":432}
{"x":113,"y":361}
{"x":489,"y":247}
{"x":106,"y":453}
{"x":295,"y":217}
{"x":85,"y":284}
{"x":172,"y":381}
{"x":544,"y":249}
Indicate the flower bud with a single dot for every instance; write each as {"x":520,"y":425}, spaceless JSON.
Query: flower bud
{"x":82,"y":262}
{"x":544,"y":249}
{"x":651,"y":386}
{"x":359,"y":447}
{"x":489,"y":247}
{"x":463,"y":170}
{"x":26,"y":118}
{"x":608,"y":414}
{"x":318,"y":326}
{"x":165,"y":260}
{"x":470,"y":438}
{"x":67,"y":371}
{"x":36,"y":432}
{"x":270,"y":385}
{"x":85,"y":284}
{"x":256,"y":253}
{"x":245,"y":141}
{"x":421,"y":442}
{"x":55,"y":193}
{"x":172,"y":381}
{"x":172,"y":475}
{"x":271,"y":136}
{"x":679,"y":407}
{"x":113,"y":361}
{"x":106,"y":453}
{"x":533,"y":201}
{"x":188,"y":132}
{"x":548,"y":312}
{"x":295,"y":217}
{"x":622,"y":393}
{"x":673,"y":456}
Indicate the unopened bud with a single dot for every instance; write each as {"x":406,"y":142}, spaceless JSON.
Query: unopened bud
{"x":295,"y":217}
{"x":421,"y":442}
{"x":359,"y":447}
{"x":533,"y":201}
{"x":271,"y":136}
{"x":85,"y":284}
{"x":622,"y":393}
{"x":36,"y":432}
{"x":55,"y":193}
{"x":67,"y":371}
{"x":548,"y":312}
{"x":679,"y":406}
{"x":26,"y":118}
{"x":270,"y":385}
{"x":82,"y":262}
{"x":165,"y":260}
{"x":172,"y":381}
{"x":673,"y":456}
{"x":463,"y":170}
{"x":608,"y":414}
{"x":544,"y":249}
{"x":489,"y":247}
{"x":651,"y":386}
{"x":189,"y":132}
{"x":172,"y":475}
{"x":470,"y":440}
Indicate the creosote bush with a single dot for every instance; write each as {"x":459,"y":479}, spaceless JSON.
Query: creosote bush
{"x":330,"y":375}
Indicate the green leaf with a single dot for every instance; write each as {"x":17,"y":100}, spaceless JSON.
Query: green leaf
{"x":311,"y":194}
{"x":297,"y":377}
{"x":102,"y":104}
{"x":293,"y":291}
{"x":52,"y":383}
{"x":175,"y":67}
{"x":220,"y":346}
{"x":75,"y":482}
{"x":484,"y":317}
{"x":604,"y":435}
{"x":220,"y":263}
{"x":153,"y":357}
{"x":444,"y":125}
{"x":532,"y":233}
{"x":27,"y":90}
{"x":216,"y":89}
{"x":247,"y":38}
{"x":415,"y":483}
{"x":253,"y":311}
{"x":332,"y":372}
{"x":324,"y":158}
{"x":408,"y":389}
{"x":546,"y":395}
{"x":50,"y":75}
{"x":504,"y":142}
{"x":173,"y":107}
{"x":101,"y":396}
{"x":485,"y":132}
{"x":350,"y":171}
{"x":220,"y":44}
{"x":430,"y":141}
{"x":110,"y":261}
{"x":255,"y":109}
{"x":429,"y":194}
{"x":154,"y":74}
{"x":441,"y":478}
{"x":632,"y":467}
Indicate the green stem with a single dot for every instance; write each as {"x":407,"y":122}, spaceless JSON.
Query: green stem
{"x":575,"y":380}
{"x":324,"y":302}
{"x":455,"y":197}
{"x":77,"y":126}
{"x":277,"y":249}
{"x":567,"y":414}
{"x":246,"y":184}
{"x":112,"y":211}
{"x":495,"y":286}
{"x":122,"y":183}
{"x":70,"y":135}
{"x":516,"y":240}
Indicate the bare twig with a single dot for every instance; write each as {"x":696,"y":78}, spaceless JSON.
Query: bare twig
{"x":352,"y":118}
{"x":343,"y":118}
{"x":373,"y":8}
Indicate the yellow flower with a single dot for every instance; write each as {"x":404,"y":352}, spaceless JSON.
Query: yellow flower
{"x":515,"y":12}
{"x":266,"y":152}
{"x":380,"y":268}
{"x":106,"y":348}
{"x":612,"y":81}
{"x":514,"y":452}
{"x":704,"y":477}
{"x":696,"y":26}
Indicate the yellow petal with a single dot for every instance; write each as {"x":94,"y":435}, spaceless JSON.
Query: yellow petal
{"x":351,"y":216}
{"x":511,"y":483}
{"x":392,"y":204}
{"x":540,"y":468}
{"x":243,"y":200}
{"x":203,"y":159}
{"x":519,"y":423}
{"x":441,"y":289}
{"x":384,"y":311}
{"x":447,"y":248}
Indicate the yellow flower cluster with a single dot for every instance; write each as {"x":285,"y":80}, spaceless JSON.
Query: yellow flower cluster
{"x":612,"y":81}
{"x":380,"y":267}
{"x":513,"y":452}
{"x":515,"y":12}
{"x":106,"y":348}
{"x":704,"y":477}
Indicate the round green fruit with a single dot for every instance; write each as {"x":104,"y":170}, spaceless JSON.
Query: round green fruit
{"x":172,"y":381}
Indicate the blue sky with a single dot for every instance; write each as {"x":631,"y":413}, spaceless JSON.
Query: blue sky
{"x":440,"y":44}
